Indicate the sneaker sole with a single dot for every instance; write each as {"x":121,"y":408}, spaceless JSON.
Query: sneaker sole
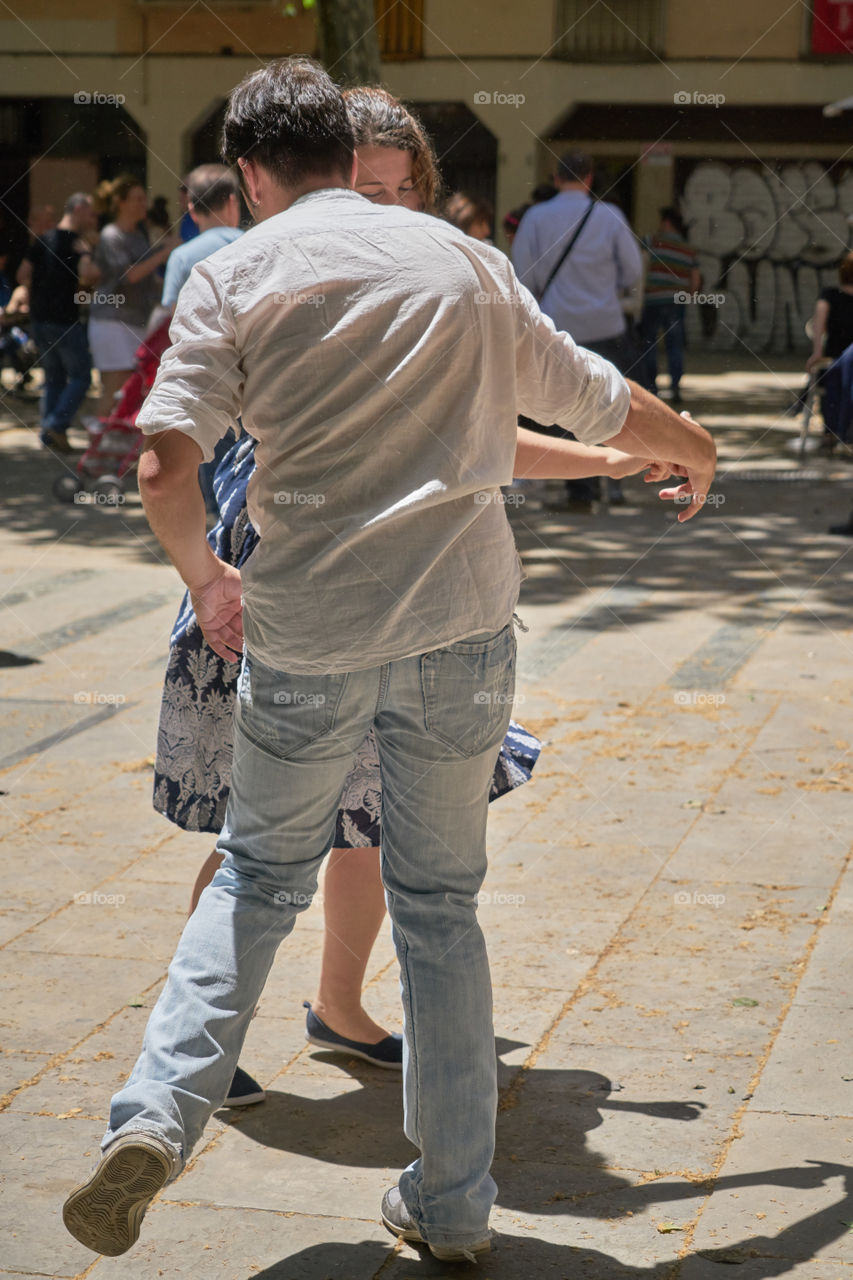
{"x":352,"y":1053}
{"x":105,"y":1213}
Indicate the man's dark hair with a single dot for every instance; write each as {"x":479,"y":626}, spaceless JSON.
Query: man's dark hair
{"x":211,"y":186}
{"x":290,"y":118}
{"x":574,"y":166}
{"x":670,"y":214}
{"x":79,"y":197}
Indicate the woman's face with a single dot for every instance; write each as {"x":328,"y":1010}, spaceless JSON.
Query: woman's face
{"x":135,"y":206}
{"x":385,"y":176}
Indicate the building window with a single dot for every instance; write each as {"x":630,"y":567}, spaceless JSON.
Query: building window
{"x":619,"y":29}
{"x":400,"y":28}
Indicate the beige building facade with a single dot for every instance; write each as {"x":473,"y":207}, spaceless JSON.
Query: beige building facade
{"x":717,"y":107}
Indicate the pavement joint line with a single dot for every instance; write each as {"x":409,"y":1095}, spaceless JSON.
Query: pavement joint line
{"x":65,"y":906}
{"x":509,"y":1097}
{"x":793,"y":987}
{"x":58,"y":1058}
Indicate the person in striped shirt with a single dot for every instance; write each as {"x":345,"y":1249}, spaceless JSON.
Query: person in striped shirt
{"x":672,"y":277}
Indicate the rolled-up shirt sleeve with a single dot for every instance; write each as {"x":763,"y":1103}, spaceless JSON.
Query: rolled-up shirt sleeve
{"x":560,"y":382}
{"x":199,"y":385}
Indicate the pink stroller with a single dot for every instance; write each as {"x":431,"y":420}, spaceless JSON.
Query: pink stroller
{"x":114,"y":449}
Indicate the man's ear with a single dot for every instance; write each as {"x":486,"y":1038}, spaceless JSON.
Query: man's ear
{"x":191,"y":211}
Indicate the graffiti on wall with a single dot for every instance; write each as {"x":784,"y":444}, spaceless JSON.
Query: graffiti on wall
{"x":768,"y":242}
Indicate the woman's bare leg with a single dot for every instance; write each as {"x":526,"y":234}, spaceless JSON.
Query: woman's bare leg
{"x":353,"y":909}
{"x":209,"y":868}
{"x":111,"y":381}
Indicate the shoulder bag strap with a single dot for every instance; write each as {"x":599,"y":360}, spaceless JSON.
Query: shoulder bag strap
{"x":572,"y":240}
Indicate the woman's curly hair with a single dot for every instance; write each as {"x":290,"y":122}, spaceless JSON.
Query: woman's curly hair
{"x":380,"y":120}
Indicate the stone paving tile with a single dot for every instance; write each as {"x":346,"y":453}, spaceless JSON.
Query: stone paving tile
{"x":44,"y":1159}
{"x":810,"y":1071}
{"x":307,"y":1144}
{"x":641,"y":1109}
{"x":787,"y":1180}
{"x":828,"y":980}
{"x":200,"y":1242}
{"x":50,"y":1003}
{"x":16,"y":1068}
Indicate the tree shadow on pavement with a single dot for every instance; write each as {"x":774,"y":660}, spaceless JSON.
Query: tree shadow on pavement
{"x":29,"y":507}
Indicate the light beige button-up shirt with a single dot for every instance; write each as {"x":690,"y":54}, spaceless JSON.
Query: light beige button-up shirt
{"x":379,"y":357}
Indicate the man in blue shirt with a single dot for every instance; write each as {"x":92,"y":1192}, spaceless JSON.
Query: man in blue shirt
{"x":581,"y":292}
{"x":213,"y":203}
{"x":214,"y":206}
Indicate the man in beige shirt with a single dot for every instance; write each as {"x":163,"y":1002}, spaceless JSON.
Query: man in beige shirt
{"x":380,"y":358}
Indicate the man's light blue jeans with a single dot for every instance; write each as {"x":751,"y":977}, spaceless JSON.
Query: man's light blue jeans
{"x":439,"y":721}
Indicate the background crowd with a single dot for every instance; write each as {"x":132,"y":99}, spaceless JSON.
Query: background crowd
{"x":104,"y":276}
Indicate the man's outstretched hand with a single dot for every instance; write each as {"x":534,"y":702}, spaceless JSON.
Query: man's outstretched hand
{"x":218,"y":605}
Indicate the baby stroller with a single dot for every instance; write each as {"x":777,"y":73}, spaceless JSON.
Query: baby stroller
{"x":115,"y":447}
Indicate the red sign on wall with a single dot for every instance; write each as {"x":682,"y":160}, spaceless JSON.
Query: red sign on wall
{"x":832,"y":26}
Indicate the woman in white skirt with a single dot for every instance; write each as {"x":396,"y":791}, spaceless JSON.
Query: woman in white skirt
{"x":128,"y":289}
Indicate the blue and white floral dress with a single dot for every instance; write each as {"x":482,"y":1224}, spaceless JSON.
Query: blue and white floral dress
{"x":193,"y":765}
